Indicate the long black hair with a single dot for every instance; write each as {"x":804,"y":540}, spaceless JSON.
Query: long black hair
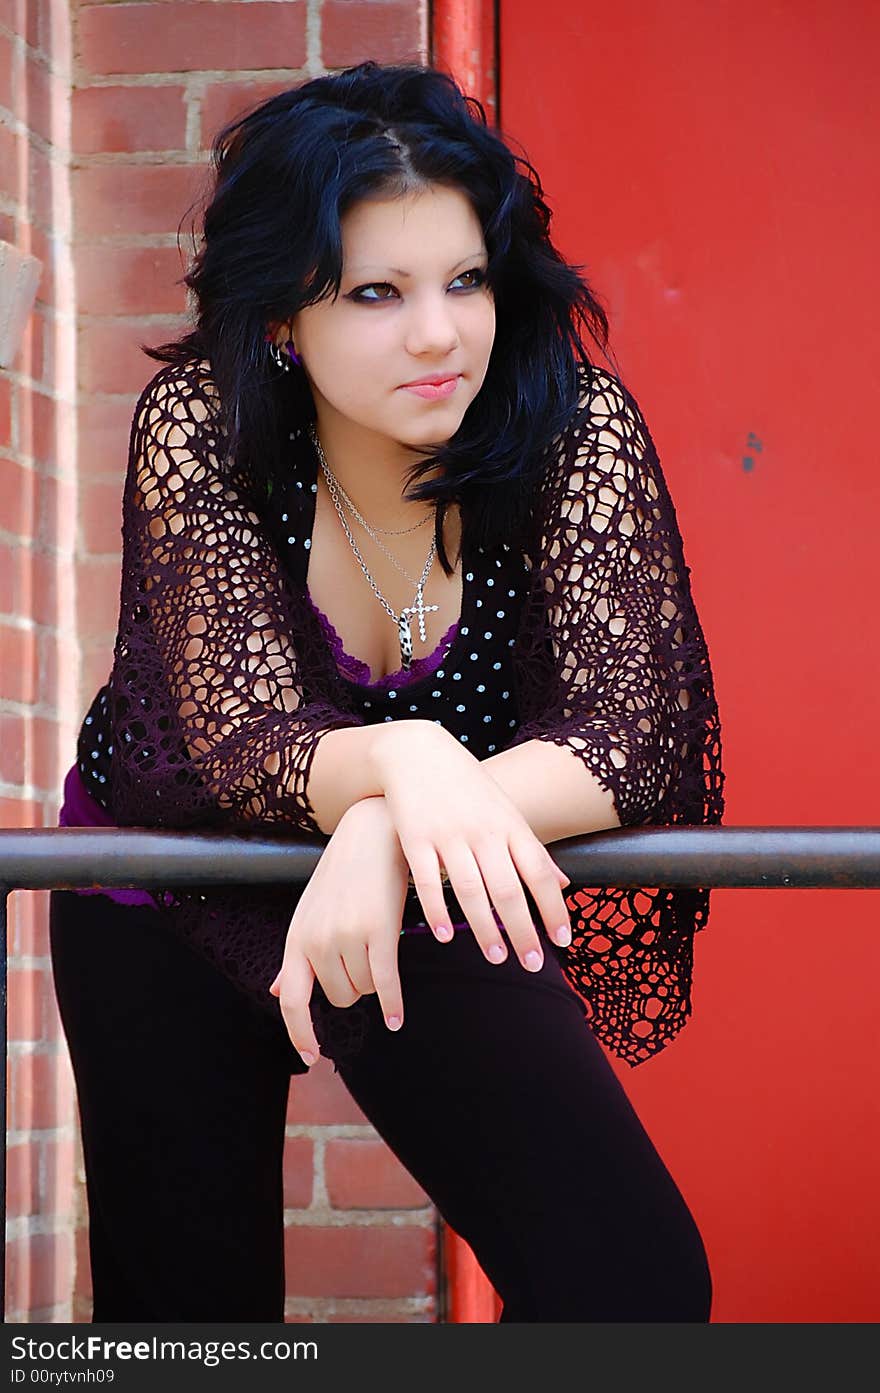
{"x":285,"y":173}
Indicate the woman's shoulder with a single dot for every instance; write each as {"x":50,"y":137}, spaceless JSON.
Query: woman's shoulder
{"x":601,"y":394}
{"x":181,"y":389}
{"x":606,"y":419}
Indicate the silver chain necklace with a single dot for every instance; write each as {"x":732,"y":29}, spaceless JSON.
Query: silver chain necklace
{"x":402,"y":620}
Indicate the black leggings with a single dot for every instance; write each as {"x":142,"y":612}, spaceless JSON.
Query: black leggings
{"x":495,"y":1095}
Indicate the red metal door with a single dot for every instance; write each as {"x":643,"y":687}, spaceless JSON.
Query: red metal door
{"x":714,"y":169}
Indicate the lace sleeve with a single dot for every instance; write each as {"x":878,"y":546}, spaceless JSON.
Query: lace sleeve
{"x":632,"y":691}
{"x":211,"y":724}
{"x":618,"y":672}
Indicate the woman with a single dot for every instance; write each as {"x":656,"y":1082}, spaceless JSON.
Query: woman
{"x":400,"y":571}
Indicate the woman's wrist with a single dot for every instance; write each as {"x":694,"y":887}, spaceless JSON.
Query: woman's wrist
{"x":391,"y":751}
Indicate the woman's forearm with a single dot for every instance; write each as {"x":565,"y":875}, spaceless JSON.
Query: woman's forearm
{"x":351,"y":764}
{"x":556,"y":794}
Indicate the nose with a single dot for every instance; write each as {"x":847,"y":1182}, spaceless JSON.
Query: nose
{"x":432,"y":329}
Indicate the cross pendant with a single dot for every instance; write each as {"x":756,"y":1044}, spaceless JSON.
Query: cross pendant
{"x":405,"y":632}
{"x":421,"y":609}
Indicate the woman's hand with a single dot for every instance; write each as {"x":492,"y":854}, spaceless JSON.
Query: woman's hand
{"x":446,"y":809}
{"x":345,"y":929}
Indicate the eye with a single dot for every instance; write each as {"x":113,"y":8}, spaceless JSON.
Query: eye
{"x":478,"y":273}
{"x":359,"y":296}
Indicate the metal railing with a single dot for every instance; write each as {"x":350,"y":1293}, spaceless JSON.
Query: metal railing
{"x":68,"y":858}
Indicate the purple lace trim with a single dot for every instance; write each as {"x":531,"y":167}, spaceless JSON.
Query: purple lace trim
{"x":358,"y":671}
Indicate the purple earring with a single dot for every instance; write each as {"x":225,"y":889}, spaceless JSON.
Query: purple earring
{"x":279,"y":357}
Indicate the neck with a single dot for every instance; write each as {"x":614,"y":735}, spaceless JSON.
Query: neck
{"x":372,"y":470}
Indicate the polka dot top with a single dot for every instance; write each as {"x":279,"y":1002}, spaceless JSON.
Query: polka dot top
{"x":466,"y":684}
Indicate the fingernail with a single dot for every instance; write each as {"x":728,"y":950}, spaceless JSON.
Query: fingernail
{"x":393,"y":1022}
{"x":496,"y":953}
{"x":563,"y":936}
{"x":307,"y":1057}
{"x":443,"y":932}
{"x":533,"y":961}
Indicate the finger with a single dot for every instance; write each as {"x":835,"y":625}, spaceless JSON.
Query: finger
{"x":424,"y":865}
{"x":506,"y":892}
{"x":539,"y":872}
{"x":470,"y":890}
{"x":297,"y":981}
{"x":334,"y":979}
{"x":356,"y":964}
{"x":382,"y":952}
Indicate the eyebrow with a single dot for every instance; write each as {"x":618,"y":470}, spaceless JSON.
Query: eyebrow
{"x":396,"y":270}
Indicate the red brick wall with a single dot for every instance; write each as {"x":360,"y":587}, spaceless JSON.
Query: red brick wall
{"x":38,"y":655}
{"x":146,"y":86}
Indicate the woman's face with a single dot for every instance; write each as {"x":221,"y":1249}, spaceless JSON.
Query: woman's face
{"x":412,"y":304}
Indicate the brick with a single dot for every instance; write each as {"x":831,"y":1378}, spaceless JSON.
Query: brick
{"x":362,"y":1173}
{"x":5,"y":416}
{"x":28,"y":584}
{"x":94,"y":670}
{"x":27,"y":989}
{"x":319,"y":1098}
{"x":45,"y":101}
{"x":349,"y":31}
{"x":13,"y":578}
{"x":40,"y":1091}
{"x":129,"y":280}
{"x":111,"y":357}
{"x":103,"y":429}
{"x":43,"y":747}
{"x":20,"y":812}
{"x":39,"y":1271}
{"x":59,"y":1170}
{"x":13,"y":163}
{"x":97,"y":599}
{"x":129,"y":38}
{"x":120,"y":119}
{"x":56,"y":652}
{"x":18,"y":498}
{"x":51,"y":421}
{"x":31,"y":358}
{"x":354,"y":1260}
{"x":56,"y":504}
{"x":29,"y":923}
{"x":137,"y":198}
{"x":18,"y":663}
{"x":47,"y":190}
{"x":53,"y":1029}
{"x":12,"y":747}
{"x":222,"y":101}
{"x":49,"y":26}
{"x":299,"y":1165}
{"x":44,"y":583}
{"x":10,"y":68}
{"x":35,"y":240}
{"x":22,"y":1180}
{"x":36,"y":360}
{"x":101,"y":518}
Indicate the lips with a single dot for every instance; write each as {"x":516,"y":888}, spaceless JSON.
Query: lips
{"x":436,"y":389}
{"x":435,"y":380}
